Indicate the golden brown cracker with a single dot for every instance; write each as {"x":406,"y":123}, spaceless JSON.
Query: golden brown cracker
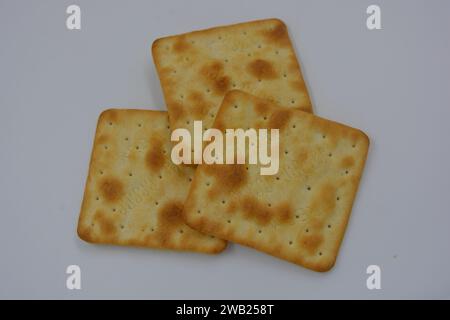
{"x":196,"y":69}
{"x":134,"y":193}
{"x":300,"y":213}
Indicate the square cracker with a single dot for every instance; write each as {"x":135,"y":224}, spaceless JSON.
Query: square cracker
{"x":196,"y":69}
{"x":134,"y":193}
{"x":300,"y":213}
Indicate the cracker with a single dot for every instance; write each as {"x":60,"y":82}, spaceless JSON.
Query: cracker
{"x":196,"y":69}
{"x":134,"y":193}
{"x":300,"y":213}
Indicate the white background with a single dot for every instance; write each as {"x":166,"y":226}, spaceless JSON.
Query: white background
{"x":392,"y":83}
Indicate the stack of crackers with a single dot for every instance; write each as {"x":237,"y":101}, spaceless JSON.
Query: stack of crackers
{"x":240,"y":76}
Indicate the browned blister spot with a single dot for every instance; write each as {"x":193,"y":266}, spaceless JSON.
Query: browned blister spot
{"x":85,"y":233}
{"x":324,"y":200}
{"x":293,"y":63}
{"x":347,"y":162}
{"x":254,"y":210}
{"x":261,"y":107}
{"x":107,"y":226}
{"x":111,"y":189}
{"x":280,"y":118}
{"x":262,"y":213}
{"x":176,"y":110}
{"x":298,"y":85}
{"x":103,"y":138}
{"x":232,"y":207}
{"x":207,"y":226}
{"x":302,"y":156}
{"x":310,"y":242}
{"x":262,"y":69}
{"x":228,"y":178}
{"x":154,"y":159}
{"x":284,"y":212}
{"x":169,"y":219}
{"x":213,"y":74}
{"x":278,"y":34}
{"x":181,"y":45}
{"x":109,"y":115}
{"x":220,"y":125}
{"x":200,"y":106}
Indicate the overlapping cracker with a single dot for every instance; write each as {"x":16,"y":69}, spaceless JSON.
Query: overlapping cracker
{"x":299,"y":214}
{"x":196,"y":69}
{"x":134,"y":193}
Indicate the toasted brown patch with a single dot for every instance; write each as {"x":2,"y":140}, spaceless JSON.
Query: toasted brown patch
{"x":280,"y":118}
{"x":201,"y":106}
{"x":302,"y":156}
{"x":213,"y":74}
{"x":229,"y":177}
{"x":176,"y":110}
{"x":324,"y":201}
{"x":298,"y":85}
{"x":284,"y":212}
{"x":262,"y":69}
{"x":155,"y":158}
{"x":347,"y":162}
{"x":169,"y":219}
{"x":262,"y":107}
{"x":254,"y":210}
{"x":263,"y":213}
{"x":104,"y":138}
{"x":181,"y":45}
{"x":111,"y":189}
{"x":278,"y":34}
{"x":311,"y":242}
{"x":106,"y":224}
